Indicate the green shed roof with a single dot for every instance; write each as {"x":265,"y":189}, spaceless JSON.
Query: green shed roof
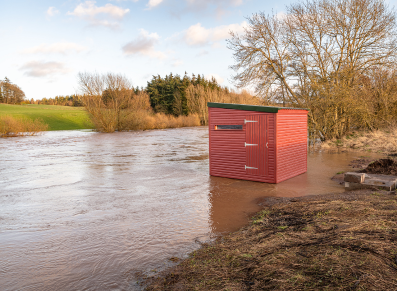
{"x":271,"y":109}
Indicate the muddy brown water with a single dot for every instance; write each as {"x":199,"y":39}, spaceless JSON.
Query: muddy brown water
{"x":82,"y":210}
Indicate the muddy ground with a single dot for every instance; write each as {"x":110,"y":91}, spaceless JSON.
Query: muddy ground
{"x":344,"y":241}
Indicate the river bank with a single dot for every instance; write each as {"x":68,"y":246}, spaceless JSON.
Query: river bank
{"x":375,"y":141}
{"x":326,"y":242}
{"x":336,"y":241}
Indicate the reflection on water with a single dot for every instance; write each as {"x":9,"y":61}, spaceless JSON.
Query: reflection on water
{"x":232,"y":202}
{"x":85,"y":210}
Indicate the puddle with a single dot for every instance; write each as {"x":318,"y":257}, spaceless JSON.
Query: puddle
{"x":83,"y":210}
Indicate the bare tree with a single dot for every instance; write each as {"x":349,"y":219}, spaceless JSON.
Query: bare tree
{"x":107,"y":99}
{"x":316,"y":55}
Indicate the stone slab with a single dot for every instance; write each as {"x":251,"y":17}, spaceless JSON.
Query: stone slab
{"x":384,"y":182}
{"x":354,"y":177}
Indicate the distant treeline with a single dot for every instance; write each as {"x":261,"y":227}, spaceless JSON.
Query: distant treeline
{"x":12,"y":94}
{"x":67,"y":100}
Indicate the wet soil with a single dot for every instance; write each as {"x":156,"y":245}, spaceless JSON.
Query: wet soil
{"x":382,"y":166}
{"x":337,"y":241}
{"x":360,"y":164}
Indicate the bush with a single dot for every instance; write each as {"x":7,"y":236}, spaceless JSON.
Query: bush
{"x":143,"y":120}
{"x":10,"y":126}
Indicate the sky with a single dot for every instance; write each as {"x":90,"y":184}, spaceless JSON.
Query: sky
{"x":45,"y":44}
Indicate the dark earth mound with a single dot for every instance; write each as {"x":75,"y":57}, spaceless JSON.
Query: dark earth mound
{"x":382,"y":166}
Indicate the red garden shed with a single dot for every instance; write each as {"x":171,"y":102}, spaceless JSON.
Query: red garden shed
{"x":258,"y":143}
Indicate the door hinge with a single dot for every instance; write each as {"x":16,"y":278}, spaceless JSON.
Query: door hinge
{"x":245,"y":121}
{"x":252,"y":168}
{"x":250,"y":144}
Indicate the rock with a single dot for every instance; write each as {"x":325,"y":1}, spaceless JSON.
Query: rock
{"x":354,"y":177}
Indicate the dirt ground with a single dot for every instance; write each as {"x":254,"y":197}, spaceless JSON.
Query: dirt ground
{"x":344,"y":241}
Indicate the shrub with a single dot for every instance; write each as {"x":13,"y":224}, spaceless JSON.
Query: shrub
{"x":143,"y":120}
{"x":10,"y":126}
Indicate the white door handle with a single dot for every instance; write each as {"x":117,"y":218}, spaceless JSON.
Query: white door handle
{"x":251,"y":168}
{"x":266,"y":145}
{"x":250,"y":144}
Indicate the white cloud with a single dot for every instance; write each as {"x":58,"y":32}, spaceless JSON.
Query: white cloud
{"x":202,"y":53}
{"x":43,"y":69}
{"x":205,"y":3}
{"x":59,"y":47}
{"x":177,"y":63}
{"x":108,"y":15}
{"x":144,"y":45}
{"x":281,"y":15}
{"x":197,"y":35}
{"x":218,"y":78}
{"x":91,"y":10}
{"x":52,"y":11}
{"x":153,"y":3}
{"x":219,"y":7}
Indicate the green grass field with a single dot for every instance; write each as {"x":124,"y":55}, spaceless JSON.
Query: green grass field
{"x":57,"y":117}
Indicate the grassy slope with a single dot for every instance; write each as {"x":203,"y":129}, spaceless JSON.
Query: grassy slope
{"x":57,"y":117}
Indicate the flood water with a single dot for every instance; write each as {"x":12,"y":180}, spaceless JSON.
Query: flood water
{"x":91,"y":211}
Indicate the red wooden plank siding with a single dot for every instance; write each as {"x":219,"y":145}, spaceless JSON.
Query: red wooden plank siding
{"x":291,"y":136}
{"x":227,"y":151}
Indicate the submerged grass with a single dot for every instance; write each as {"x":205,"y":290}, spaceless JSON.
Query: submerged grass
{"x":57,"y":117}
{"x":10,"y":126}
{"x":333,"y":242}
{"x":377,"y":141}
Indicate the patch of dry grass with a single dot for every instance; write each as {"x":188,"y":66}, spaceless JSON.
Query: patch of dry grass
{"x":11,"y":126}
{"x":333,"y":242}
{"x":143,"y":120}
{"x":380,"y":141}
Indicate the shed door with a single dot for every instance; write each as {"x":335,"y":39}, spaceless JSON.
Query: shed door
{"x":255,"y":129}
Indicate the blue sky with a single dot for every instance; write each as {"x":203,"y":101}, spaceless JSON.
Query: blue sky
{"x":46,"y":43}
